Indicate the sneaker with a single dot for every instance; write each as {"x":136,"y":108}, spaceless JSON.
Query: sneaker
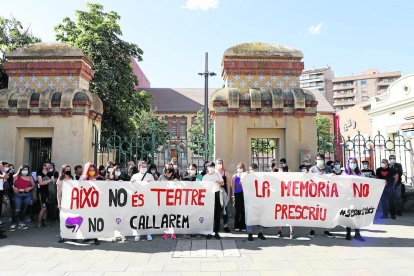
{"x":359,"y":237}
{"x":61,"y":240}
{"x":137,"y":238}
{"x":165,"y":236}
{"x":95,"y":242}
{"x":261,"y":236}
{"x":217,"y":236}
{"x":173,"y":236}
{"x":209,"y":236}
{"x":348,"y":236}
{"x":237,"y":230}
{"x":279,"y":234}
{"x":311,"y":233}
{"x":149,"y":237}
{"x":292,"y":235}
{"x":22,"y":226}
{"x":243,"y":230}
{"x":12,"y":227}
{"x":328,"y":234}
{"x":250,"y":237}
{"x":226,"y":229}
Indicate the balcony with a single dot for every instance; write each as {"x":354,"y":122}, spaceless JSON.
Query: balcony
{"x":343,"y":87}
{"x":344,"y":103}
{"x":343,"y":95}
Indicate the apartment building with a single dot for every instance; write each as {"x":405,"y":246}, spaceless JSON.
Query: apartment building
{"x":348,"y":91}
{"x":320,"y":79}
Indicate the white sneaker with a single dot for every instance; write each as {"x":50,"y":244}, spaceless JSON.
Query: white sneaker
{"x":149,"y":237}
{"x":137,"y":238}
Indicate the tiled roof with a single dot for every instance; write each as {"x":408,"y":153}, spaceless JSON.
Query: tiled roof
{"x":177,"y":100}
{"x":191,"y":100}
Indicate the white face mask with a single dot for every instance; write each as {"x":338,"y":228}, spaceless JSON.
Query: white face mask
{"x":25,"y":172}
{"x":304,"y":170}
{"x":211,"y":170}
{"x":239,"y":171}
{"x":175,"y":167}
{"x":392,"y":161}
{"x":383,"y":165}
{"x":143,"y":170}
{"x":364,"y":166}
{"x":117,"y":173}
{"x":192,"y":172}
{"x":320,"y":162}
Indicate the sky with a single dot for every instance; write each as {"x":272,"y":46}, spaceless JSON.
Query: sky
{"x":349,"y":36}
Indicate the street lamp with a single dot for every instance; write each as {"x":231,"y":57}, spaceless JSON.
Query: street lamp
{"x":206,"y":75}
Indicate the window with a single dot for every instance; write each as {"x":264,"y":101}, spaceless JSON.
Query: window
{"x":363,"y":82}
{"x":183,"y":128}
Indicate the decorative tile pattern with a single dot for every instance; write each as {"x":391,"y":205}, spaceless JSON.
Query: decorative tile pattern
{"x":261,"y":82}
{"x":47,"y":82}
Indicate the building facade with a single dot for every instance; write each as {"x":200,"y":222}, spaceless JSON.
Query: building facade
{"x":320,"y":79}
{"x":348,"y":91}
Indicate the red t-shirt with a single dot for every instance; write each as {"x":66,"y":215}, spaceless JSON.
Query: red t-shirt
{"x":21,"y":183}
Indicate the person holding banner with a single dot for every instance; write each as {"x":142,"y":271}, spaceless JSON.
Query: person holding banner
{"x":212,"y":175}
{"x":353,"y":169}
{"x":320,"y":168}
{"x":168,"y":175}
{"x":116,"y":174}
{"x":65,"y":175}
{"x":238,"y":199}
{"x":142,"y":175}
{"x":254,"y":168}
{"x":191,"y":174}
{"x":223,"y":172}
{"x":337,"y":168}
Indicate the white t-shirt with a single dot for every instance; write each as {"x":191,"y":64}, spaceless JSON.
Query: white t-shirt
{"x":214,"y":177}
{"x":140,"y":177}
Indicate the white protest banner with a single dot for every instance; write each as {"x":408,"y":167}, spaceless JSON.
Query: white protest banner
{"x":99,"y":209}
{"x":306,"y":199}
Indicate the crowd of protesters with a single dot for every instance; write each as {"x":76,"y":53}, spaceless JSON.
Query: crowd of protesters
{"x":36,"y":195}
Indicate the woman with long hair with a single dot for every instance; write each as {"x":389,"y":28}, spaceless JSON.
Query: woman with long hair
{"x":44,"y":179}
{"x":23,"y":184}
{"x":352,"y":168}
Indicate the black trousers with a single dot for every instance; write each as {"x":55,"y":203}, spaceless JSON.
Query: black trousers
{"x":239,"y":219}
{"x":217,"y":212}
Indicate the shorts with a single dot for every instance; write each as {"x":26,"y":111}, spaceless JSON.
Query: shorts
{"x":43,"y":197}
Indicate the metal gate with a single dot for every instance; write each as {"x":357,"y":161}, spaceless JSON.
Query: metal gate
{"x":40,"y":152}
{"x":263,"y":150}
{"x":122,"y":149}
{"x":372,"y":149}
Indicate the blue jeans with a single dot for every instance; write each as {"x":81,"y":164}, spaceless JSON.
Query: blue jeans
{"x":20,"y":198}
{"x":249,"y":228}
{"x":387,"y":201}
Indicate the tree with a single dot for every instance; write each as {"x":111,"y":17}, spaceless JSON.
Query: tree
{"x":12,"y":35}
{"x":325,"y":139}
{"x":196,"y":134}
{"x":97,"y":34}
{"x":148,"y":123}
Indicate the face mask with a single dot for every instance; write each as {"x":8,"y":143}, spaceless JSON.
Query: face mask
{"x":352,"y":166}
{"x":211,"y":170}
{"x":153,"y":171}
{"x":364,"y":166}
{"x":392,"y":161}
{"x":103,"y":172}
{"x":239,"y":171}
{"x":282,"y":165}
{"x":68,"y":172}
{"x":175,"y":167}
{"x":6,"y":169}
{"x":143,"y":170}
{"x":320,"y":162}
{"x":192,"y":172}
{"x":304,"y":170}
{"x":337,"y":167}
{"x":91,"y":173}
{"x":117,"y":173}
{"x":51,"y":170}
{"x":25,"y":172}
{"x":383,"y":165}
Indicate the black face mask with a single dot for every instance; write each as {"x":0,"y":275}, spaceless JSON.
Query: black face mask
{"x":68,"y":172}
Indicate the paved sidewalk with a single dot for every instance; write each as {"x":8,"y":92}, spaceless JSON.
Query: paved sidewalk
{"x":389,"y":250}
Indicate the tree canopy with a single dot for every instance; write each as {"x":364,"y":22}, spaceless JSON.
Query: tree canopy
{"x":12,"y":35}
{"x":97,"y":34}
{"x":325,"y":139}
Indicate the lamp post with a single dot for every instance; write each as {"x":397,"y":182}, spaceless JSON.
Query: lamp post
{"x":206,"y":74}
